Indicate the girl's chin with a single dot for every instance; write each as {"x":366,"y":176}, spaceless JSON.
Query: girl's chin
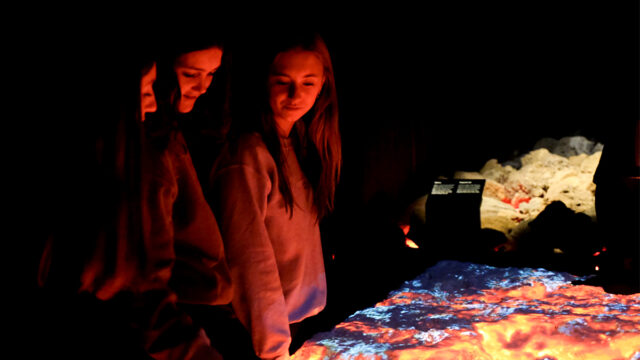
{"x":292,"y":115}
{"x":185,"y":107}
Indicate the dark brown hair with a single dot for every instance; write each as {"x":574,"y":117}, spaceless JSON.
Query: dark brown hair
{"x":212,"y":108}
{"x":98,"y":245}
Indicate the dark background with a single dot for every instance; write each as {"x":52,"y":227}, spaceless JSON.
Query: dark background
{"x":446,"y":88}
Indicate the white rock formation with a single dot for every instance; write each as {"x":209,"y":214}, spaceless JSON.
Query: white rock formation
{"x":513,"y":197}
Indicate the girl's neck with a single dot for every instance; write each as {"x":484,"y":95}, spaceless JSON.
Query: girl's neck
{"x":284,"y":128}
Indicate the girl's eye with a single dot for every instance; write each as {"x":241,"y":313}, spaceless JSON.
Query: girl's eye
{"x":309,"y":84}
{"x":189,"y":75}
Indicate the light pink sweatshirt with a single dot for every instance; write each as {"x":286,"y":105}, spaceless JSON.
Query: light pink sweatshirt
{"x":275,"y":260}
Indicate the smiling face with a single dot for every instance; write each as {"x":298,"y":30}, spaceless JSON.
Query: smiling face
{"x":147,"y":97}
{"x":194,"y":71}
{"x":295,"y":81}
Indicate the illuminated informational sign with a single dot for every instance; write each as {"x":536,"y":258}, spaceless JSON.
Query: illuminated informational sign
{"x":452,"y":211}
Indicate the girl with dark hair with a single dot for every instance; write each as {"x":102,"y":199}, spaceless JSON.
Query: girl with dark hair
{"x":271,"y":188}
{"x":181,"y":214}
{"x":103,"y":275}
{"x":194,"y":83}
{"x":199,"y":274}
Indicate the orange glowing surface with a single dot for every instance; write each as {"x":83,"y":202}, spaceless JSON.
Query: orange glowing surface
{"x":410,"y":243}
{"x":469,"y":311}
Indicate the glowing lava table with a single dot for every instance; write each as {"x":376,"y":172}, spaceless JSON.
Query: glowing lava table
{"x":458,"y":310}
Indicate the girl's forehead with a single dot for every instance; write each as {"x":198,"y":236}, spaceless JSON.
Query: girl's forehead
{"x":297,"y":61}
{"x":201,"y":59}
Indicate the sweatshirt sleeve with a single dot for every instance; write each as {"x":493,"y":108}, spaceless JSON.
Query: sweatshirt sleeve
{"x":157,"y":209}
{"x":200,"y":274}
{"x":242,"y":192}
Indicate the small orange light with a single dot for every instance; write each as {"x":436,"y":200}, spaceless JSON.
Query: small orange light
{"x":596,"y":253}
{"x":410,"y":243}
{"x":405,"y":228}
{"x":597,"y":268}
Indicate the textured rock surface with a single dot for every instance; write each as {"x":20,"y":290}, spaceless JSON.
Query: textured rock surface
{"x":557,"y":170}
{"x":569,"y":146}
{"x":460,"y":310}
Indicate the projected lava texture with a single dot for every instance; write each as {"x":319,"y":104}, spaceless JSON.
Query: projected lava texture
{"x":458,"y":310}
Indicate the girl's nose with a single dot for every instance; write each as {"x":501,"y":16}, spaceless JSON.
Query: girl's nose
{"x":294,"y":91}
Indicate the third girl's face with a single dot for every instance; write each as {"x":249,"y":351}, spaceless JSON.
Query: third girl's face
{"x":195,"y":72}
{"x":147,"y":97}
{"x":295,"y":81}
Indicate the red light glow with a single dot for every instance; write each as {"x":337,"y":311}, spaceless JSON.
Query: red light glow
{"x":515,"y":202}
